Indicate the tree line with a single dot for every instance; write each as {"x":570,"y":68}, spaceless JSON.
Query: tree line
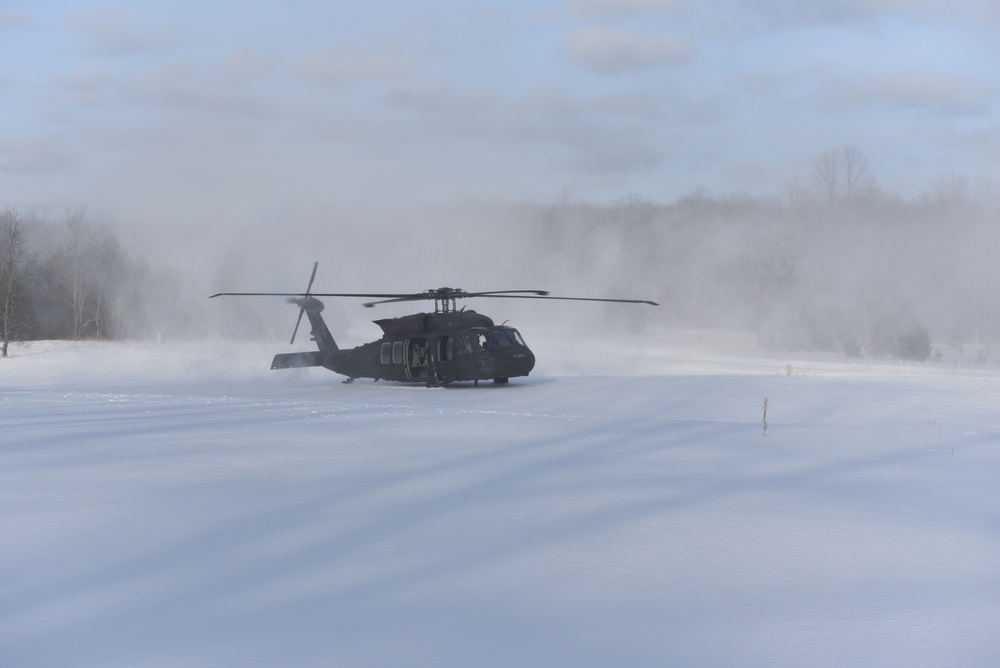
{"x":69,"y":280}
{"x":834,"y":262}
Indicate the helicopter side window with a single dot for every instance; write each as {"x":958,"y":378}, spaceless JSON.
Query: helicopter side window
{"x":397,"y":352}
{"x":384,"y":355}
{"x":463,"y":344}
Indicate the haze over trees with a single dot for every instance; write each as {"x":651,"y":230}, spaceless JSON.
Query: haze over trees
{"x":14,"y":260}
{"x":835,"y":263}
{"x":65,"y":280}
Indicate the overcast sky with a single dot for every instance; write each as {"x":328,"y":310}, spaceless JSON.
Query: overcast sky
{"x":170,"y":108}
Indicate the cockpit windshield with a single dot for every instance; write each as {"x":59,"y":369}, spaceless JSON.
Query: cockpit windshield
{"x":484,"y":339}
{"x":500,"y":338}
{"x":503,"y":338}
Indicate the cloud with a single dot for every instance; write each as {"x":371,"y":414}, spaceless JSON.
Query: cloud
{"x":34,"y":156}
{"x":339,"y":66}
{"x":225,"y":87}
{"x":13,"y":20}
{"x":585,"y":143}
{"x":623,"y":153}
{"x":623,"y":7}
{"x":117,"y":34}
{"x":86,"y":77}
{"x":785,"y":12}
{"x":824,"y":11}
{"x":439,"y":96}
{"x":914,"y":89}
{"x":181,"y":85}
{"x":245,"y":65}
{"x":86,"y":84}
{"x":564,"y":103}
{"x":610,"y":50}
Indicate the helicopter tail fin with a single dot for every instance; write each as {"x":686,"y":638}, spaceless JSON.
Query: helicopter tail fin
{"x":312,"y":307}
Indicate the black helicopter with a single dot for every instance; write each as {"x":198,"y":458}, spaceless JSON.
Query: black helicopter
{"x":434,"y":349}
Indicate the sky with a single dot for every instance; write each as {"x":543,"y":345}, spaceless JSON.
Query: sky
{"x":157,"y":111}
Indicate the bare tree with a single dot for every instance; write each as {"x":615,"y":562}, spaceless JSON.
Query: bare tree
{"x":796,"y":194}
{"x":77,"y":231}
{"x":110,"y":283}
{"x":859,"y":182}
{"x":94,"y":278}
{"x":14,"y":259}
{"x":946,"y":190}
{"x":843,"y":176}
{"x":827,"y":178}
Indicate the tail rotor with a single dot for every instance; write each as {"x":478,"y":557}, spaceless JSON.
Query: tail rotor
{"x":302,"y":308}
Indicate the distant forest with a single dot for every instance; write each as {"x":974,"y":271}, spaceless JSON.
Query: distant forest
{"x":833,"y":263}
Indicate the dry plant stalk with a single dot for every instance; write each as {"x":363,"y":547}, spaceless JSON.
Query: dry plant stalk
{"x":764,"y":419}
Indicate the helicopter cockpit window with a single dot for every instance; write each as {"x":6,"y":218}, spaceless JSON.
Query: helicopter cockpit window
{"x":516,"y":337}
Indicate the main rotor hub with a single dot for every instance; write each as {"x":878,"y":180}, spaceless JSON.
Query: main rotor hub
{"x":445,"y":298}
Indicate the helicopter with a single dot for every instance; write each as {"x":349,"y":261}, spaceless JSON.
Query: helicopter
{"x":434,"y":349}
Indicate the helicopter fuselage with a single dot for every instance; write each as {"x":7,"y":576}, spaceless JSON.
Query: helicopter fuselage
{"x":428,"y":348}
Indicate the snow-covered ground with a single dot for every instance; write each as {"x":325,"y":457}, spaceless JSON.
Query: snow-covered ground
{"x":182,"y":505}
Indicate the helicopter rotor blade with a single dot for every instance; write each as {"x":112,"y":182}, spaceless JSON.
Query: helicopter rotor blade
{"x":314,"y":294}
{"x":299,"y":320}
{"x":313,"y":277}
{"x":444,"y":294}
{"x":511,"y":293}
{"x":408,"y":298}
{"x":574,"y":299}
{"x":438,"y":294}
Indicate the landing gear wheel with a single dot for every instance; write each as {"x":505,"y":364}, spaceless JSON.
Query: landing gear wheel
{"x":501,"y":381}
{"x":438,"y":380}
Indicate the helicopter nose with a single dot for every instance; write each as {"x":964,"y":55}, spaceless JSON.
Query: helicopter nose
{"x":511,"y":363}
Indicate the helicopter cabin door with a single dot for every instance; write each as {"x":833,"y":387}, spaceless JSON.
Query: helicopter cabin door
{"x":416,"y":358}
{"x":444,"y":349}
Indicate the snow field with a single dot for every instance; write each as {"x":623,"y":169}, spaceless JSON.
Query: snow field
{"x":182,"y":505}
